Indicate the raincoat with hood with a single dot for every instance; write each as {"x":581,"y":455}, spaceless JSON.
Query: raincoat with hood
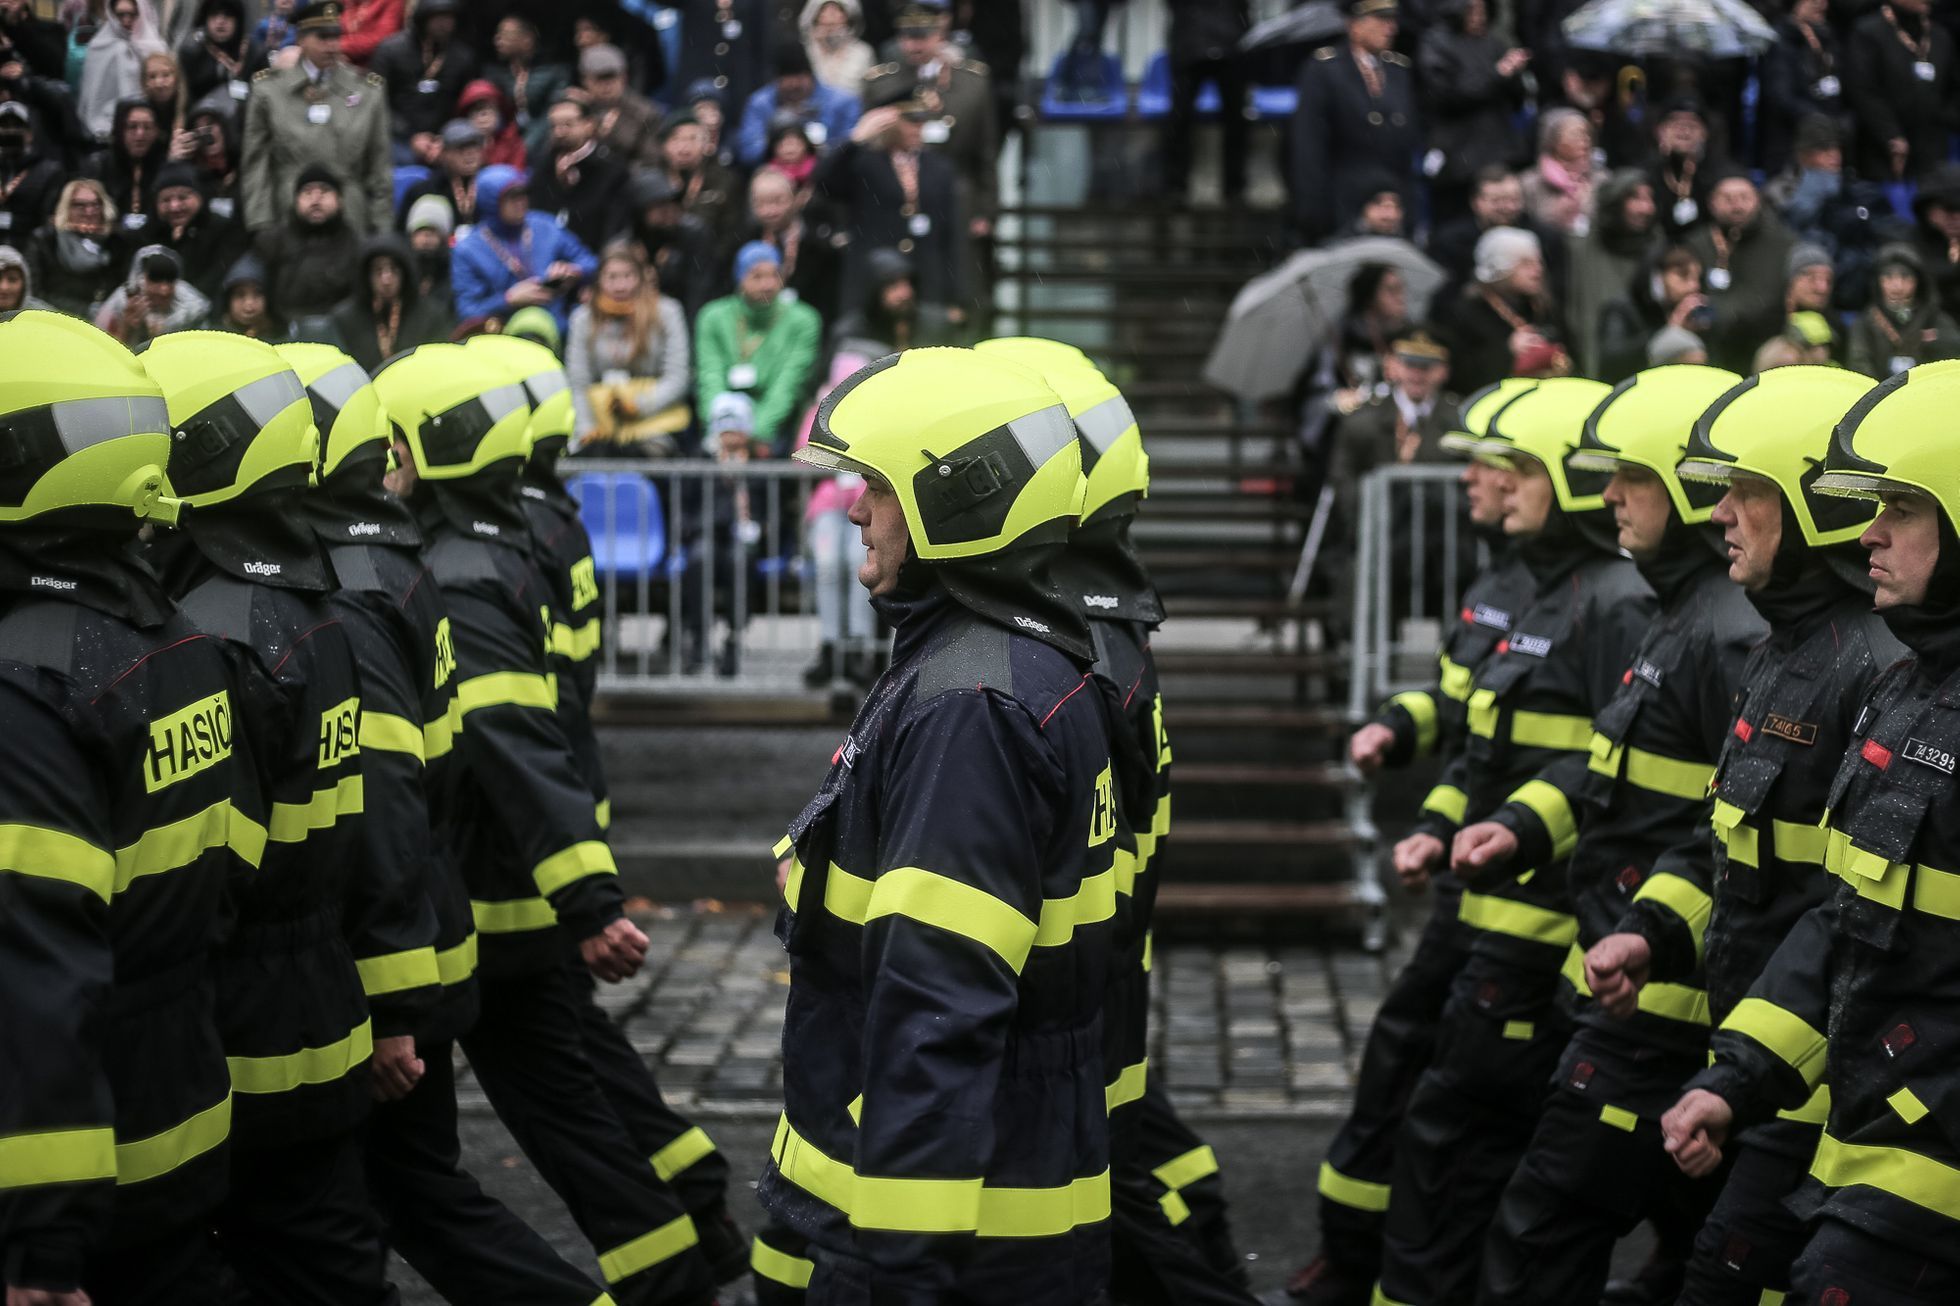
{"x":496,"y":255}
{"x":1885,"y":340}
{"x":30,"y":176}
{"x":506,"y":145}
{"x":209,"y":66}
{"x":841,"y":66}
{"x":112,"y":70}
{"x":370,"y":333}
{"x":129,"y":178}
{"x":1600,"y":269}
{"x":424,"y":81}
{"x":11,"y":258}
{"x":185,"y":311}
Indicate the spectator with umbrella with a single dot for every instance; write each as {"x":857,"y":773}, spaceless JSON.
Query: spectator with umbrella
{"x":1681,"y":168}
{"x":1356,"y":117}
{"x":1203,"y":46}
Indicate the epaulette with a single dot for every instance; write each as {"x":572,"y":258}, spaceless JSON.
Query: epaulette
{"x":457,"y":559}
{"x":377,"y":81}
{"x":974,"y":66}
{"x":356,"y":568}
{"x":882,"y":70}
{"x":1324,"y":52}
{"x":1400,"y":60}
{"x":262,"y":74}
{"x":976,"y":656}
{"x":40,"y":634}
{"x":221,"y":606}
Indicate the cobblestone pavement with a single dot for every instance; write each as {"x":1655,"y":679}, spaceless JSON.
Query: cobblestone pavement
{"x":1239,"y":1030}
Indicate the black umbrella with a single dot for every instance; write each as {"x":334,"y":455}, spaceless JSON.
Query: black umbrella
{"x":1275,"y":49}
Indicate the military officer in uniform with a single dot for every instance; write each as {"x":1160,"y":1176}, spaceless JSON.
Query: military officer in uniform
{"x":1356,"y":124}
{"x":320,"y":110}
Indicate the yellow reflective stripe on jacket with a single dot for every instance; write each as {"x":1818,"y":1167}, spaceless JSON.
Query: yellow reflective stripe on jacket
{"x":1651,"y":771}
{"x":1786,"y":1035}
{"x":1448,"y":802}
{"x":1568,"y":734}
{"x":1871,"y":875}
{"x":779,"y":1266}
{"x":576,"y":643}
{"x":1356,"y":1193}
{"x":57,"y":1156}
{"x":938,"y":1205}
{"x":391,"y":733}
{"x":649,"y":1249}
{"x":1906,"y":1175}
{"x":1794,"y":842}
{"x":1380,"y":1298}
{"x":321,"y":1065}
{"x":179,"y":843}
{"x":57,"y":855}
{"x":512,"y":915}
{"x":602,"y":813}
{"x":570,"y":865}
{"x":454,"y":965}
{"x":955,"y":907}
{"x":507,"y":688}
{"x":1455,"y":680}
{"x":1128,"y":1086}
{"x":1520,"y":920}
{"x":1092,"y":902}
{"x":1619,"y":1117}
{"x":293,"y":822}
{"x":143,"y":1159}
{"x":1682,"y":897}
{"x":1681,"y":1002}
{"x":1422,"y":711}
{"x":1548,"y":803}
{"x":681,"y":1153}
{"x":1127,"y":867}
{"x":439,"y":735}
{"x":1816,"y":1109}
{"x":395,"y":972}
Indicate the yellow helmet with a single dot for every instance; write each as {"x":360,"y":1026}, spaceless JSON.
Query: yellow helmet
{"x":1114,"y":465}
{"x":1646,"y":421}
{"x":458,"y":410}
{"x":84,"y":432}
{"x":1477,"y":411}
{"x":979,"y":450}
{"x":241,"y":422}
{"x":1894,"y":441}
{"x":1776,"y":427}
{"x":346,"y":408}
{"x":1545,"y":423}
{"x":545,"y":383}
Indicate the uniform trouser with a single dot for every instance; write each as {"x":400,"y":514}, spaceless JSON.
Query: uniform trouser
{"x":1192,"y":1192}
{"x":1162,"y":1255}
{"x":468,"y":1245}
{"x":780,"y":1260}
{"x":528,"y":1055}
{"x":1595,"y":1169}
{"x":1354,"y":1178}
{"x":1469,"y":1119}
{"x":178,"y":1266}
{"x":298,"y":1227}
{"x":1844,"y":1266}
{"x":1744,"y":1251}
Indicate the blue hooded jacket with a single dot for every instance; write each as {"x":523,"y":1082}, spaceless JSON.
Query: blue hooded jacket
{"x":493,"y":257}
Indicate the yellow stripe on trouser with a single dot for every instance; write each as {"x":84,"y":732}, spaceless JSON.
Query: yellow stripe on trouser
{"x":179,"y":843}
{"x":1179,"y":1173}
{"x":1680,"y":1002}
{"x":1518,"y":919}
{"x":1906,"y":1175}
{"x":1422,"y":712}
{"x":1682,"y":897}
{"x":682,"y":1153}
{"x":602,"y":813}
{"x":938,"y":1205}
{"x":395,"y":972}
{"x":648,"y":1250}
{"x":1357,"y":1193}
{"x":319,"y":1065}
{"x":779,"y":1266}
{"x":142,"y":1159}
{"x":1789,"y":1037}
{"x":1380,"y":1298}
{"x":292,"y":822}
{"x":57,"y":855}
{"x":1651,"y":771}
{"x":1128,"y":1086}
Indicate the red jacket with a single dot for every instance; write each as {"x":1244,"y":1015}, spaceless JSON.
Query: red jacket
{"x":366,"y":24}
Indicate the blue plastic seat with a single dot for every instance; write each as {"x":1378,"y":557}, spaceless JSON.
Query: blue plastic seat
{"x":1275,"y":101}
{"x":1114,"y":104}
{"x":407,"y":177}
{"x":1154,"y":91}
{"x":622,"y":513}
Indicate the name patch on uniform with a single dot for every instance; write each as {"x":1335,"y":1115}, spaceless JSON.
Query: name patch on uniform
{"x":1537,"y":646}
{"x":585,"y":584}
{"x":1102,"y":818}
{"x":1918,"y":750}
{"x":1648,"y":672}
{"x":189,"y":740}
{"x":445,"y":653}
{"x":340,"y":733}
{"x":1797,"y":732}
{"x":1485,"y":615}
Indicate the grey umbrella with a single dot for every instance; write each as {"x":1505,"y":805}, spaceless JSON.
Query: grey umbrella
{"x":1635,"y":29}
{"x":1278,"y":319}
{"x":1314,"y":23}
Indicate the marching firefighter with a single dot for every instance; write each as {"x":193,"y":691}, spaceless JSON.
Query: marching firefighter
{"x":540,"y":876}
{"x":950,"y":894}
{"x":1158,"y":1257}
{"x":680,"y":1152}
{"x":1354,"y":1178}
{"x":298,"y":1225}
{"x":128,"y":805}
{"x":465,"y":1243}
{"x":1530,"y":705}
{"x":1642,"y":863}
{"x":1795,"y":553}
{"x":1867,"y":982}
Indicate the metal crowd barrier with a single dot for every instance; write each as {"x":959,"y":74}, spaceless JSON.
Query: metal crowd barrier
{"x":706,"y":575}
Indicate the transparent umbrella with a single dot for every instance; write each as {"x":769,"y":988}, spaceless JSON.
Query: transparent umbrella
{"x":1708,"y":29}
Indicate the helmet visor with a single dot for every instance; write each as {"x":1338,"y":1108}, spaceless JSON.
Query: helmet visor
{"x":211,"y":444}
{"x":451,"y":438}
{"x":34,"y":440}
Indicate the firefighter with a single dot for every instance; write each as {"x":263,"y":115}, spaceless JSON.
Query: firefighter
{"x":1161,"y":1253}
{"x":1795,"y":553}
{"x":1867,"y":981}
{"x":1420,"y":723}
{"x":465,"y":1243}
{"x":298,"y":1225}
{"x":127,"y":805}
{"x":679,"y":1150}
{"x":951,"y":890}
{"x":540,"y":876}
{"x":1642,"y":863}
{"x":1530,"y":705}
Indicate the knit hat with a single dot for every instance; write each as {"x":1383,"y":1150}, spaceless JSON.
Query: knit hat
{"x":601,"y":61}
{"x":432,"y":211}
{"x":1501,"y":249}
{"x":246,"y":271}
{"x":1671,"y":344}
{"x":731,"y":411}
{"x":178,"y":174}
{"x":316,"y":173}
{"x":1805,"y":255}
{"x":756,"y":251}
